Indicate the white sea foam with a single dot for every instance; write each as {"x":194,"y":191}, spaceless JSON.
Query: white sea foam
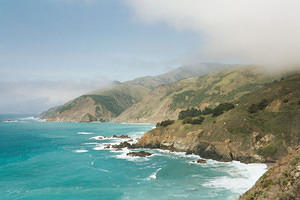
{"x":176,"y":155}
{"x":84,"y":133}
{"x":154,"y":174}
{"x":91,"y":143}
{"x":32,"y":119}
{"x":136,"y":134}
{"x":103,"y":170}
{"x":124,"y":156}
{"x":80,"y":151}
{"x":113,"y":140}
{"x":241,"y":177}
{"x":99,"y":137}
{"x":10,"y":121}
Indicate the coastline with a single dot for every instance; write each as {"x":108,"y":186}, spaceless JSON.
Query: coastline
{"x":174,"y":150}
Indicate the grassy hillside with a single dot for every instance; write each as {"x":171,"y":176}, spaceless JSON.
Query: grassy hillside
{"x":166,"y":101}
{"x":180,"y":73}
{"x":263,"y":126}
{"x":106,"y":104}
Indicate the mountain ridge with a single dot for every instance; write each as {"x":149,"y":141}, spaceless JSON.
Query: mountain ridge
{"x":107,"y":104}
{"x":166,"y":101}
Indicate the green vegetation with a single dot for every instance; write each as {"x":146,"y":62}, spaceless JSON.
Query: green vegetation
{"x":67,"y":106}
{"x":269,"y":150}
{"x":267,"y":133}
{"x":190,"y":120}
{"x":108,"y":103}
{"x":193,"y":112}
{"x":165,"y":123}
{"x":213,"y":89}
{"x":220,"y":109}
{"x":254,"y":108}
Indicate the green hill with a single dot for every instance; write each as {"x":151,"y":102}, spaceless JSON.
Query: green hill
{"x":263,"y":126}
{"x":107,"y":104}
{"x":166,"y":101}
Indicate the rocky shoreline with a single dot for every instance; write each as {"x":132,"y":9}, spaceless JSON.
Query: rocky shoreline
{"x":286,"y":169}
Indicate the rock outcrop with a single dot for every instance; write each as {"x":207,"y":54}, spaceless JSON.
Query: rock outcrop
{"x":139,"y":154}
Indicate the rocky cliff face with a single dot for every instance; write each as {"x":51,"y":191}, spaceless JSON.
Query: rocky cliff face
{"x":281,"y":182}
{"x":263,"y":127}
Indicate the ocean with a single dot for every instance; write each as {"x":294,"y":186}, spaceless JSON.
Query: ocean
{"x":63,"y":160}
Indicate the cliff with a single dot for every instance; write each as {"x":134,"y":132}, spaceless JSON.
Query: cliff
{"x":263,"y":126}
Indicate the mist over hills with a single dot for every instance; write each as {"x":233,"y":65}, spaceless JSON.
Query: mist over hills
{"x":106,"y":104}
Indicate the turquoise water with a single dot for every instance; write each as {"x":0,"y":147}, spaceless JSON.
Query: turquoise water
{"x":52,"y":160}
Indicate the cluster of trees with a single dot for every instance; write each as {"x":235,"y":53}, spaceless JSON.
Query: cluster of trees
{"x":190,"y":120}
{"x":254,"y":108}
{"x":194,"y":116}
{"x":220,"y":109}
{"x":165,"y":123}
{"x":193,"y":112}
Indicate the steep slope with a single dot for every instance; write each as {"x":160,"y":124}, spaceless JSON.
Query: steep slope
{"x":103,"y":106}
{"x":106,"y":104}
{"x":263,"y":126}
{"x":281,"y":182}
{"x":166,"y":101}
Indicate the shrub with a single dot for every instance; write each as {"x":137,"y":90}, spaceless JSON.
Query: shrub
{"x":190,"y":120}
{"x":254,"y":108}
{"x":286,"y":196}
{"x":189,"y":113}
{"x":269,"y":150}
{"x":207,"y":111}
{"x":220,"y":109}
{"x":267,"y":183}
{"x":165,"y":123}
{"x":263,"y":104}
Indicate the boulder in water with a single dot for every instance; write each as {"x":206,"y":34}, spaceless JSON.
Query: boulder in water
{"x":139,"y":154}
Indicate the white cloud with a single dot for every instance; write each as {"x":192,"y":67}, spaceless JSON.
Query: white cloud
{"x":259,"y":31}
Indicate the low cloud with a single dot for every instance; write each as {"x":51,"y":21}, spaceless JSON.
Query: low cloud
{"x":37,"y":96}
{"x":264,"y":32}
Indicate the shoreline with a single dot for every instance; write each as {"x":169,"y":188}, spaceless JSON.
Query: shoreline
{"x":269,"y":164}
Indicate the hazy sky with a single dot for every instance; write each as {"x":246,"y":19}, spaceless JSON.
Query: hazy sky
{"x":70,"y":43}
{"x":54,"y":50}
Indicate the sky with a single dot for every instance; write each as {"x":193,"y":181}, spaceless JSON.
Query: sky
{"x":54,"y":50}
